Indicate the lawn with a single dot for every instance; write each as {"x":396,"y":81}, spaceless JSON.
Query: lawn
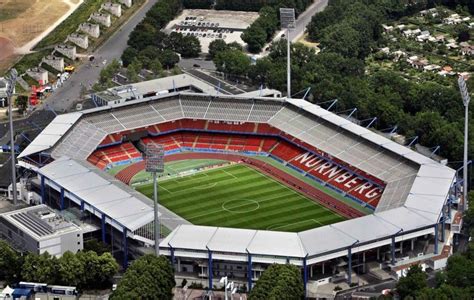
{"x":241,"y":197}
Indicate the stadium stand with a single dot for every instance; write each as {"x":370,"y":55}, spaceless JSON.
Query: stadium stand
{"x":114,"y":155}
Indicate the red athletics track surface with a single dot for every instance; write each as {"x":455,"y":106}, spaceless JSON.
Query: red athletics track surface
{"x":308,"y":190}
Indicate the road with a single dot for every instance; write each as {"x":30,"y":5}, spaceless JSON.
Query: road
{"x":63,"y":98}
{"x":301,"y":23}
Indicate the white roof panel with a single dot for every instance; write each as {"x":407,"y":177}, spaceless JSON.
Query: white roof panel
{"x":191,"y":237}
{"x":51,"y":134}
{"x":324,"y":239}
{"x":358,"y":228}
{"x":96,"y":189}
{"x":404,"y":218}
{"x":276,"y":243}
{"x":231,"y":240}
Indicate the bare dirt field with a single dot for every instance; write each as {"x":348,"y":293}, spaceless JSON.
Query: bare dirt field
{"x":21,"y":21}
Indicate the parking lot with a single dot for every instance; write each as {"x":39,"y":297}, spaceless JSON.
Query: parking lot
{"x":209,"y":25}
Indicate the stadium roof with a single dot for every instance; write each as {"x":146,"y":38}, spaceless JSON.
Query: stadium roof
{"x":311,"y":242}
{"x":417,"y":186}
{"x":101,"y":191}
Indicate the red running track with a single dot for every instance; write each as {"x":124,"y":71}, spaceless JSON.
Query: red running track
{"x":310,"y":191}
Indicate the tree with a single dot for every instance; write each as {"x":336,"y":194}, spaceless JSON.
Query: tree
{"x":98,"y":270}
{"x":232,"y":62}
{"x":168,"y":58}
{"x":10,"y":263}
{"x":155,"y":66}
{"x":279,"y":282}
{"x":217,"y":46}
{"x":412,"y":283}
{"x":134,"y":69}
{"x":40,"y":268}
{"x":149,"y":277}
{"x":190,"y":47}
{"x":22,"y":103}
{"x":70,"y":270}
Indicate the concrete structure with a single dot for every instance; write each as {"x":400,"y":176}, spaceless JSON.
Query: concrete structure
{"x":40,"y":229}
{"x":102,"y":18}
{"x":113,"y":8}
{"x":54,"y":61}
{"x":80,"y":40}
{"x":91,"y":29}
{"x":154,"y":88}
{"x":66,"y":50}
{"x":127,"y":3}
{"x":39,"y":74}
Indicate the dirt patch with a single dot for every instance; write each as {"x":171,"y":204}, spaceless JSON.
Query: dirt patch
{"x":6,"y":54}
{"x":29,"y":19}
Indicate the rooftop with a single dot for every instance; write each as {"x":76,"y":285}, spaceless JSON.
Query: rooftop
{"x":39,"y":221}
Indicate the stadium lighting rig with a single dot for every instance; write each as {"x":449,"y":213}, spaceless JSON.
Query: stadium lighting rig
{"x":287,"y":21}
{"x":154,"y":163}
{"x":11,"y":80}
{"x":465,"y":99}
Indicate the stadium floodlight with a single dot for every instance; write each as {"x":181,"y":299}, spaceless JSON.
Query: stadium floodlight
{"x":465,"y":99}
{"x":154,"y":163}
{"x":287,"y":21}
{"x":11,"y":80}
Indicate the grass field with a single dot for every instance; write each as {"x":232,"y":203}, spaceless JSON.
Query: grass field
{"x":176,"y":167}
{"x":241,"y":197}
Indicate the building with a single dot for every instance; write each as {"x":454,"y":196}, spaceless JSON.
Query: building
{"x":40,"y":229}
{"x":410,"y":223}
{"x":154,"y":88}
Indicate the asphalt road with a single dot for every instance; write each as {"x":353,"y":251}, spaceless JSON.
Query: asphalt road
{"x":64,"y":97}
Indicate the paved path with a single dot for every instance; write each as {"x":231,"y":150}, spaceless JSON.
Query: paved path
{"x":63,"y":98}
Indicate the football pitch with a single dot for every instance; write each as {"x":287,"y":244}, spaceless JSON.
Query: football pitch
{"x":240,"y":197}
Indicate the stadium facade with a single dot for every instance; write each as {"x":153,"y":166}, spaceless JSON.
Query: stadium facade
{"x":416,"y":196}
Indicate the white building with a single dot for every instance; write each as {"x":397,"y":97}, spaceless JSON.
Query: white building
{"x":40,"y":229}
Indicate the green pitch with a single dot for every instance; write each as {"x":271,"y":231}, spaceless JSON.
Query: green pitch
{"x":241,"y":197}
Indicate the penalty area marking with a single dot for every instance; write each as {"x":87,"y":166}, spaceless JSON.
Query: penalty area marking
{"x":235,"y":209}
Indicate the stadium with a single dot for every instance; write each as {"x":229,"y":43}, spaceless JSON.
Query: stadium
{"x":249,"y":181}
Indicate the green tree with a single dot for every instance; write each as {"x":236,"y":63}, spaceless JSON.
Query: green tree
{"x":10,"y":263}
{"x":40,"y":268}
{"x":168,"y":58}
{"x":70,"y":270}
{"x":98,"y":270}
{"x":190,"y":47}
{"x":156,"y":67}
{"x":412,"y":283}
{"x":279,"y":282}
{"x":217,"y":46}
{"x":232,"y":62}
{"x":149,"y":277}
{"x":22,"y":103}
{"x":134,"y":69}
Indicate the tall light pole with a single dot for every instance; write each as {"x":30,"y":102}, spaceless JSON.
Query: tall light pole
{"x":154,"y":163}
{"x":465,"y":99}
{"x":11,"y":80}
{"x":287,"y":21}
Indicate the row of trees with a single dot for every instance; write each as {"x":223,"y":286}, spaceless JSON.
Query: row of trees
{"x":85,"y":270}
{"x":262,"y":30}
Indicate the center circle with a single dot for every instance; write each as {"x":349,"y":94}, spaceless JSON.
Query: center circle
{"x":240,"y":206}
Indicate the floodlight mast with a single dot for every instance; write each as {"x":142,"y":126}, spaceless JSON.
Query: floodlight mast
{"x":11,"y":80}
{"x":287,"y":21}
{"x":154,"y":163}
{"x":465,"y":99}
